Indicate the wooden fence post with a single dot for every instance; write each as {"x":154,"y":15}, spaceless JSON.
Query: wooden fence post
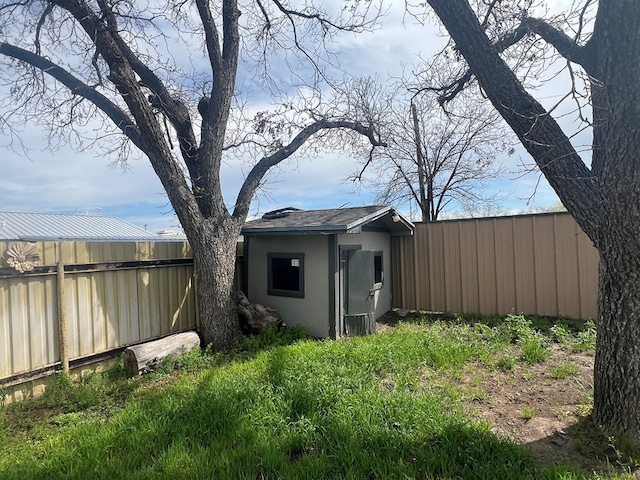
{"x":62,"y":319}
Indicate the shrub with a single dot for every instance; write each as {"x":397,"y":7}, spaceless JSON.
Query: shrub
{"x":273,"y":336}
{"x":514,"y":328}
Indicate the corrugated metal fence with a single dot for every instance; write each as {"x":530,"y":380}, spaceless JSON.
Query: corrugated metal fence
{"x":532,"y":264}
{"x":118,"y":294}
{"x":115,"y":294}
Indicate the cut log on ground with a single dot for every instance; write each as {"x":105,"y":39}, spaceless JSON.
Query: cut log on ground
{"x":144,"y":358}
{"x":255,"y":318}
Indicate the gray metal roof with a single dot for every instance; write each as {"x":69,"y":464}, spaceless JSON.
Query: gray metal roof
{"x":57,"y":226}
{"x":338,"y":220}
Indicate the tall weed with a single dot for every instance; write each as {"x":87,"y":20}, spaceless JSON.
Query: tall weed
{"x":586,"y":339}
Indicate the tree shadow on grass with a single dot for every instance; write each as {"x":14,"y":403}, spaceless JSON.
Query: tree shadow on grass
{"x":275,"y":420}
{"x":585,"y":446}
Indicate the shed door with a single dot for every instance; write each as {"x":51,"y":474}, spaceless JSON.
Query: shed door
{"x":359,"y":308}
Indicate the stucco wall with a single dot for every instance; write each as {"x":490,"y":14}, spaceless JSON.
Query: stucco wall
{"x":312,"y":311}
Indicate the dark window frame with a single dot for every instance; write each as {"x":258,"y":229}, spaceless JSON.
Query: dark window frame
{"x":285,"y":292}
{"x":378,"y":270}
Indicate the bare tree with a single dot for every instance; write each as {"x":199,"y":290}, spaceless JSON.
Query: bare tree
{"x":435,"y":159}
{"x":163,"y":78}
{"x":600,"y":43}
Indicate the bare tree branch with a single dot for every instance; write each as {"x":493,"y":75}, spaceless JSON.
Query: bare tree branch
{"x":77,"y":87}
{"x":211,"y":34}
{"x":326,"y":24}
{"x":433,"y":158}
{"x":41,"y":21}
{"x":256,"y":174}
{"x":538,"y":131}
{"x":565,"y":45}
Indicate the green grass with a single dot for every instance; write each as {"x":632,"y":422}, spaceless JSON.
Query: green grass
{"x":586,"y":338}
{"x":564,"y":370}
{"x":357,"y":408}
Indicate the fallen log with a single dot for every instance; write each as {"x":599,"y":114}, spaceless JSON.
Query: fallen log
{"x":144,"y":358}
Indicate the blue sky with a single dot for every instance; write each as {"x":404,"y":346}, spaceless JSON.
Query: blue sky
{"x":66,"y":181}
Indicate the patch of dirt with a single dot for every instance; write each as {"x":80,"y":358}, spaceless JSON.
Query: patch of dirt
{"x":547,"y":416}
{"x":537,"y":411}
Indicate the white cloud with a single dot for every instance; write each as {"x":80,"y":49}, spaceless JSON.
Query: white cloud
{"x":66,"y":181}
{"x":69,"y":179}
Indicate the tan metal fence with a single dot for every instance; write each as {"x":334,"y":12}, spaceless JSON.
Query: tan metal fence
{"x":532,"y":264}
{"x":112,"y":295}
{"x":118,"y":294}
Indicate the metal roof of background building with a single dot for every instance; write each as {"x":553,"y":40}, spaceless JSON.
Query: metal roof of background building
{"x":58,"y":226}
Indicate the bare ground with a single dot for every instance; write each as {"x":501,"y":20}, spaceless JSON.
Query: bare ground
{"x":539,"y":412}
{"x":548,"y":416}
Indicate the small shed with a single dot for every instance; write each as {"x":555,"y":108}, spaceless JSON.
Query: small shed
{"x":327,"y":270}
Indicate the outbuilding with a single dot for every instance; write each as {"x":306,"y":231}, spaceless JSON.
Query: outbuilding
{"x":327,"y":270}
{"x":39,"y":227}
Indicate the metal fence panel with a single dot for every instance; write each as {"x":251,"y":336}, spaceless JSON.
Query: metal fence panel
{"x":116,"y":294}
{"x":532,"y":264}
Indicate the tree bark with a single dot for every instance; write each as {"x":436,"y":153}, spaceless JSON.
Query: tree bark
{"x":617,"y":363}
{"x":424,"y":205}
{"x":604,"y":200}
{"x":214,"y":247}
{"x":616,"y":104}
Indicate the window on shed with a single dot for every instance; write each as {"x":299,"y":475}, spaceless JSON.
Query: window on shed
{"x":378,"y":269}
{"x":286,"y":274}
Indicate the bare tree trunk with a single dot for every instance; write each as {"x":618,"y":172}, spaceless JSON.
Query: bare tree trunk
{"x":215,"y":257}
{"x":617,"y":364}
{"x":605,"y":199}
{"x":616,"y":103}
{"x":424,"y":206}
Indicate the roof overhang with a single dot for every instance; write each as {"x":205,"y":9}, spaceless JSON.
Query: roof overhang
{"x":385,"y":218}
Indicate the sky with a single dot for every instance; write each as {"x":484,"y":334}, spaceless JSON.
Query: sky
{"x":67,"y":181}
